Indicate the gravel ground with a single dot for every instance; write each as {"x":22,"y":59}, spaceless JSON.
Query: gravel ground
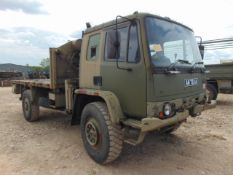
{"x":203,"y":145}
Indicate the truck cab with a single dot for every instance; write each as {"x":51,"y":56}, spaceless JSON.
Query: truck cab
{"x":154,"y":64}
{"x":137,"y":73}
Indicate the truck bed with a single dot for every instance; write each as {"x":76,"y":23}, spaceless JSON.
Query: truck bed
{"x":43,"y":83}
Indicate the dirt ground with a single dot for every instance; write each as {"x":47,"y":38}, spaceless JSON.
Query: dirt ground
{"x":203,"y":145}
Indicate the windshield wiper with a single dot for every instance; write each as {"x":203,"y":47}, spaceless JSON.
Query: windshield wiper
{"x":172,"y":65}
{"x":194,"y":65}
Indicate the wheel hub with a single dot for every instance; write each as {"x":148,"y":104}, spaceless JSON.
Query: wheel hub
{"x":91,"y":132}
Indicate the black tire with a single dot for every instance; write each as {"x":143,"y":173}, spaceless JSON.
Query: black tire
{"x":212,"y":93}
{"x":102,"y":139}
{"x":30,"y":106}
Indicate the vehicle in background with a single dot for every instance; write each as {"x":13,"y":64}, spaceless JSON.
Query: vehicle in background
{"x":219,"y":76}
{"x":38,"y":74}
{"x":7,"y":76}
{"x":220,"y":79}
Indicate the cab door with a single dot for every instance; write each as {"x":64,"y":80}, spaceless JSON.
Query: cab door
{"x":126,"y":77}
{"x":90,"y":60}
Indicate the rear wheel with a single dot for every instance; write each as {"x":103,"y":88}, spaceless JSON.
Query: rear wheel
{"x":30,"y":106}
{"x":102,"y":139}
{"x":212,"y":93}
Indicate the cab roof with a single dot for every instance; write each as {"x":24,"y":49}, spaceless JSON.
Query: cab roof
{"x":135,"y":15}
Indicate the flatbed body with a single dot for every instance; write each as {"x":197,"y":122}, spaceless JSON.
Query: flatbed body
{"x":41,"y":83}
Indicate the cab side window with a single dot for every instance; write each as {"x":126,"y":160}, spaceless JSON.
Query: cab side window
{"x":128,"y":48}
{"x":93,"y":47}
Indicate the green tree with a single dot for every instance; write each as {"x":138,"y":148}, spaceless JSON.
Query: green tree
{"x":45,"y":63}
{"x":37,"y":68}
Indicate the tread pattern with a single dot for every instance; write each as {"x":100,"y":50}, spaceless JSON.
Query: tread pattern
{"x":212,"y":93}
{"x":34,"y":106}
{"x":115,"y":134}
{"x":35,"y":112}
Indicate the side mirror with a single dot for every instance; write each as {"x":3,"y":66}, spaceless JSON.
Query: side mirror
{"x":202,"y":50}
{"x":201,"y":47}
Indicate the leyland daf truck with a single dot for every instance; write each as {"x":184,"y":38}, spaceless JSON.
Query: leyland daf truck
{"x":137,"y":73}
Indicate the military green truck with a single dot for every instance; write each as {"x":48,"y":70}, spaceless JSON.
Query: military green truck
{"x":123,"y":79}
{"x":219,"y":79}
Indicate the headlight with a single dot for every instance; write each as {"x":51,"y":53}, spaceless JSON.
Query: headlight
{"x":167,"y":109}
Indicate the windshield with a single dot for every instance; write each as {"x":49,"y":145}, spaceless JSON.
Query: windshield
{"x":169,"y":43}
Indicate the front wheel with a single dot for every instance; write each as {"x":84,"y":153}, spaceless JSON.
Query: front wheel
{"x":102,"y":139}
{"x":211,"y":92}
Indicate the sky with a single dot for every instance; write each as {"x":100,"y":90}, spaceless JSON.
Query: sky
{"x":28,"y":28}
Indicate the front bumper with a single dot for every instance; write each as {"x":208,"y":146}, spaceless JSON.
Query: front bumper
{"x":151,"y":123}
